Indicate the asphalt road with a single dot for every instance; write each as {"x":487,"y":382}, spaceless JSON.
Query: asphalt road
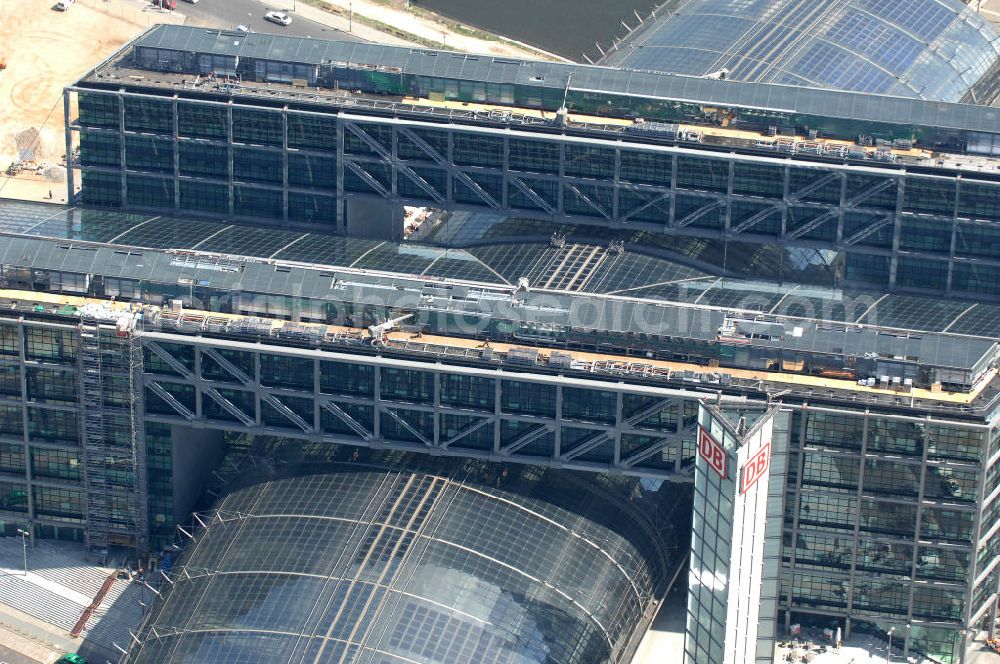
{"x":8,"y":656}
{"x":230,"y":13}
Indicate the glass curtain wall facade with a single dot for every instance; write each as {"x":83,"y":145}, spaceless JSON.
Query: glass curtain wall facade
{"x":890,"y":514}
{"x":888,"y":524}
{"x":273,"y":165}
{"x":883,"y":507}
{"x":249,"y":143}
{"x":397,"y":73}
{"x":41,"y":456}
{"x":527,"y":418}
{"x":369,"y":558}
{"x":735,"y":548}
{"x":67,"y":435}
{"x":875,"y":228}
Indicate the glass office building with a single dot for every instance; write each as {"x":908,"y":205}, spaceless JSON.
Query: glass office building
{"x":736,"y":535}
{"x":883,"y":192}
{"x":884,"y":523}
{"x":891,"y":495}
{"x":616,"y":251}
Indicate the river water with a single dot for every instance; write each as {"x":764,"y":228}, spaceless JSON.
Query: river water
{"x":565,"y":27}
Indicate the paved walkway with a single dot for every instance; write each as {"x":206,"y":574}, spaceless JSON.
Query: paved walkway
{"x":990,"y":10}
{"x":983,"y":655}
{"x":46,"y":584}
{"x":9,"y":656}
{"x":344,"y":24}
{"x":26,"y":187}
{"x":664,"y":641}
{"x":35,"y":640}
{"x":39,"y":610}
{"x":423,"y":26}
{"x":139,"y":12}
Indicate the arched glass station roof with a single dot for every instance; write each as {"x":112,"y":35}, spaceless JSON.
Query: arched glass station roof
{"x":930,"y":49}
{"x":372,"y":562}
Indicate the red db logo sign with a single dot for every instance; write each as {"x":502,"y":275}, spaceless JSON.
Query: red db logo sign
{"x":756,"y":467}
{"x":711,"y":452}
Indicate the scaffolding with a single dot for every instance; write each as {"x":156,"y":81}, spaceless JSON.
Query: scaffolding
{"x":110,"y":358}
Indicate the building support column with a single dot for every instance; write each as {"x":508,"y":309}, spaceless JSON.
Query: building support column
{"x":284,"y":165}
{"x":377,"y":410}
{"x":497,"y":413}
{"x":915,"y":554}
{"x":341,"y":222}
{"x":70,"y":183}
{"x":672,"y":220}
{"x":954,"y":240}
{"x":177,"y":157}
{"x":437,"y":409}
{"x":28,"y":473}
{"x":897,"y":226}
{"x":257,"y":390}
{"x":616,"y":437}
{"x":229,"y":158}
{"x":121,"y":149}
{"x":557,"y":448}
{"x":859,"y":494}
{"x":317,"y":402}
{"x":616,"y":186}
{"x":198,"y":394}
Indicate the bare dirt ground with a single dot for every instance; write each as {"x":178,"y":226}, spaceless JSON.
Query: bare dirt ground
{"x":44,"y":50}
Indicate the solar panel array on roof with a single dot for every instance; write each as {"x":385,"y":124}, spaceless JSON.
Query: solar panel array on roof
{"x":927,"y":49}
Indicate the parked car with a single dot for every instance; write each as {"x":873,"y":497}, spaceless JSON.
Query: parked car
{"x":280,"y":18}
{"x":71,"y":658}
{"x":63,"y":5}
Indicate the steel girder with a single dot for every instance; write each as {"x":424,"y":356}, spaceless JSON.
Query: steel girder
{"x":481,"y":432}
